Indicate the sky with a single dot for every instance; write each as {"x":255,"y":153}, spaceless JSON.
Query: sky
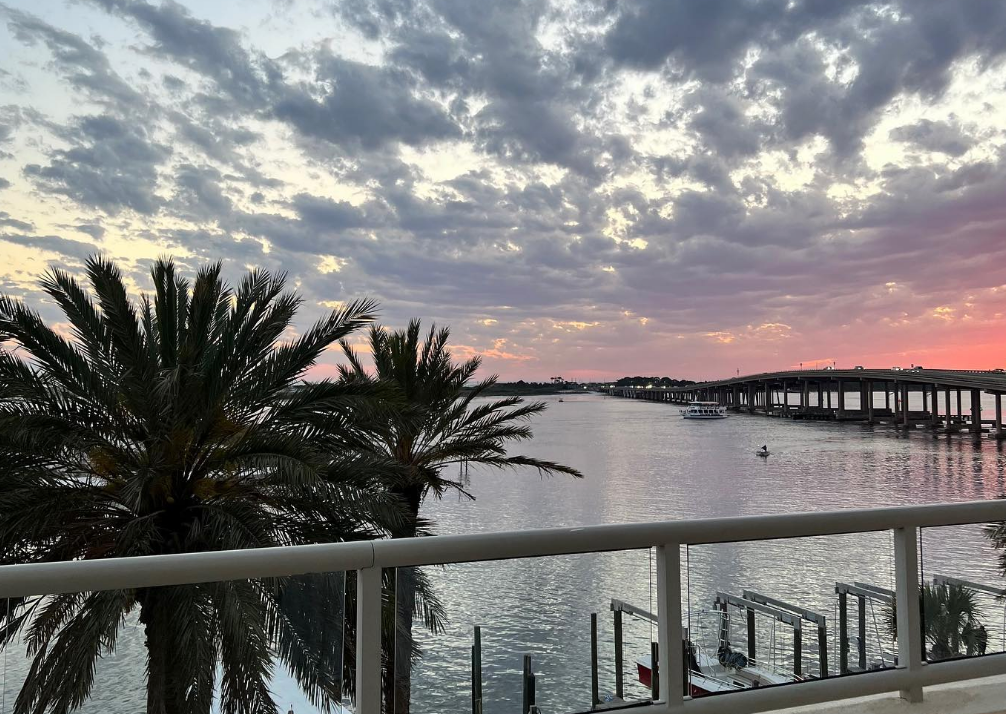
{"x":588,"y":189}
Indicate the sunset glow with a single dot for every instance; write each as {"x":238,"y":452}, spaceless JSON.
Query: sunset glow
{"x":586,"y":189}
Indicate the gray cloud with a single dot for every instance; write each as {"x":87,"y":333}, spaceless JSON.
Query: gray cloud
{"x":85,"y":68}
{"x":366,"y":106}
{"x":54,"y":244}
{"x":946,"y":137}
{"x":111,"y":166}
{"x":8,"y":222}
{"x":214,"y":51}
{"x":613,"y":161}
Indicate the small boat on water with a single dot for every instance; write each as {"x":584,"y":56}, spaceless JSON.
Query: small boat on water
{"x":704,"y":410}
{"x":729,"y":671}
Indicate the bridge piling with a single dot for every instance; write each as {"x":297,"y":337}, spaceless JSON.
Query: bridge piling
{"x":976,"y":414}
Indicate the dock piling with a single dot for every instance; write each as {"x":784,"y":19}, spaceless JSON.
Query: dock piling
{"x":477,"y":672}
{"x":528,"y":701}
{"x":594,"y":698}
{"x":619,"y":675}
{"x":654,"y":671}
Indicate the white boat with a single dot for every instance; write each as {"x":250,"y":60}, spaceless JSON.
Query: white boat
{"x":704,"y":410}
{"x":723,"y":673}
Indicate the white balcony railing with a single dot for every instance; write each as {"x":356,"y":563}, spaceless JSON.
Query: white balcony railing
{"x":368,"y":558}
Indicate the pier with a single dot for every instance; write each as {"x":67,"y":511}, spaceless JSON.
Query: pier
{"x":903,"y":398}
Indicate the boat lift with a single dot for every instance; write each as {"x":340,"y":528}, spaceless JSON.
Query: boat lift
{"x":947,"y":580}
{"x":862,"y":592}
{"x":808,"y":616}
{"x":724,"y":600}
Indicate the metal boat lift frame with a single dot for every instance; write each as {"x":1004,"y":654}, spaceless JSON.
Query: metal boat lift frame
{"x":725,"y":600}
{"x":821,"y":621}
{"x":862,"y":591}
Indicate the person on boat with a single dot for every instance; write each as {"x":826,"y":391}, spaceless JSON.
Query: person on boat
{"x":764,"y":448}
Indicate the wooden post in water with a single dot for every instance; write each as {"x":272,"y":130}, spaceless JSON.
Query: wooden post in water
{"x":960,"y":408}
{"x":843,"y":634}
{"x":477,"y":672}
{"x":654,"y":671}
{"x":887,"y":396}
{"x":829,"y":395}
{"x":868,"y":395}
{"x":594,"y":698}
{"x":862,"y":632}
{"x":904,"y":405}
{"x":798,"y":649}
{"x":751,"y":634}
{"x":619,"y":676}
{"x":841,"y":399}
{"x":528,"y":689}
{"x":822,"y":648}
{"x":934,"y":416}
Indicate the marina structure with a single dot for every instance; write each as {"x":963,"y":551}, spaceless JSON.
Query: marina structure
{"x":942,"y":399}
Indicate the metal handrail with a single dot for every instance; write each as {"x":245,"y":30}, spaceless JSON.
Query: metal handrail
{"x":187,"y":568}
{"x":369,"y":557}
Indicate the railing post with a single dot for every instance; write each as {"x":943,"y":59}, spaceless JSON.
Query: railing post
{"x":906,"y":567}
{"x":672,"y":655}
{"x":368,"y":641}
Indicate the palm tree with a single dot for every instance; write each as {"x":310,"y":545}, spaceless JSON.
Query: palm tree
{"x":173,"y":426}
{"x":441,"y":423}
{"x":951,"y":618}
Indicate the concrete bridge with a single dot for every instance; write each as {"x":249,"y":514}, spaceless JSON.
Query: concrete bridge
{"x":905,"y":398}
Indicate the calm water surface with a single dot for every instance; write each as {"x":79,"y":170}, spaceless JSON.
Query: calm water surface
{"x":642,"y":462}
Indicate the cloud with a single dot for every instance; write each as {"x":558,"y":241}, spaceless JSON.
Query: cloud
{"x":8,"y":222}
{"x":86,"y":68}
{"x":112,"y":165}
{"x":52,"y":244}
{"x":593,"y":183}
{"x":943,"y":136}
{"x":214,"y":51}
{"x":366,"y":106}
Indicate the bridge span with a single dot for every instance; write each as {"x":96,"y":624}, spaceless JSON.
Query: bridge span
{"x":904,"y":398}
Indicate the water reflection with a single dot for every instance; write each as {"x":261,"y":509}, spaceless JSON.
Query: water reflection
{"x":643,"y":462}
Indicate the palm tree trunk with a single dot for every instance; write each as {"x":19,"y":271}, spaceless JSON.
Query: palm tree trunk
{"x":399,"y":671}
{"x":164,"y":693}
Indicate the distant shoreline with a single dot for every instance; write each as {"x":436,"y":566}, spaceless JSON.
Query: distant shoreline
{"x":532,"y":389}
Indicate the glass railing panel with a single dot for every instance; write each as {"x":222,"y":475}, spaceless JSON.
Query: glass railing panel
{"x":550,"y":624}
{"x":963,"y":590}
{"x":783,"y":611}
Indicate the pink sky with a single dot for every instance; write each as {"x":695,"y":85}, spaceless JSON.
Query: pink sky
{"x":653,"y":188}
